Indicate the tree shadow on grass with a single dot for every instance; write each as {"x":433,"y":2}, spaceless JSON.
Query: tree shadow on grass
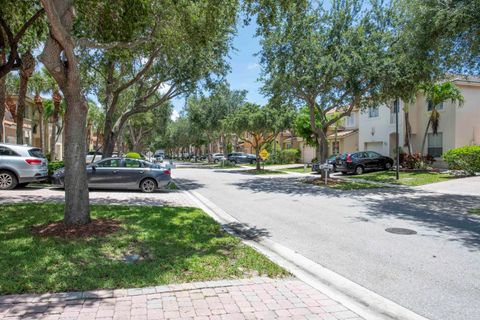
{"x":175,"y":245}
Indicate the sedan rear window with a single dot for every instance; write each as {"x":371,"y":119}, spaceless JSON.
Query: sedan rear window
{"x":37,"y":153}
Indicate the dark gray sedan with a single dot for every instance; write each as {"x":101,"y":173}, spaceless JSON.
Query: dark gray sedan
{"x":122,"y":173}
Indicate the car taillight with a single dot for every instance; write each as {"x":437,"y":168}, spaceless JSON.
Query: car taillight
{"x":349,"y":159}
{"x":33,"y":161}
{"x":167,"y":171}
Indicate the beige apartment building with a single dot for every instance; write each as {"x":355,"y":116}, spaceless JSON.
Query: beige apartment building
{"x":459,"y":123}
{"x":31,"y":127}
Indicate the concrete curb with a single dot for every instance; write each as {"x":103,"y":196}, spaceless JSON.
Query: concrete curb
{"x":358,"y":299}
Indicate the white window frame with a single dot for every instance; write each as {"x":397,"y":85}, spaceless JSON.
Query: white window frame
{"x":350,"y":121}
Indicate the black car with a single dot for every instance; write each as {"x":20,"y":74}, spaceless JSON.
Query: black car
{"x":362,"y":161}
{"x":331,"y":160}
{"x":241,"y":157}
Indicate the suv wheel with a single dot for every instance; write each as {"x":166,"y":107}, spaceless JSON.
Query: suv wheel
{"x":388,"y":165}
{"x":253,"y":161}
{"x":148,"y":185}
{"x":359,"y":170}
{"x":215,"y":161}
{"x":233,"y":161}
{"x":8,"y":180}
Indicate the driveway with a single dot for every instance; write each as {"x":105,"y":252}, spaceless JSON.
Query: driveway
{"x":434,"y":272}
{"x":465,"y":186}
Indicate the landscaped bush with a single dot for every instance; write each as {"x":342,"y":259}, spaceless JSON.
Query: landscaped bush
{"x":290,"y":155}
{"x":416,"y":161}
{"x":133,"y":155}
{"x":465,"y":158}
{"x":54,"y":165}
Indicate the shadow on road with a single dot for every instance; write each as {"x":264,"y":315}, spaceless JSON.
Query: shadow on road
{"x":443,"y":213}
{"x":446,"y":214}
{"x":245,"y":231}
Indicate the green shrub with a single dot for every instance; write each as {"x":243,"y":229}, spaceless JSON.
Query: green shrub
{"x":54,"y":165}
{"x":133,"y":155}
{"x":464,"y":158}
{"x":290,"y":155}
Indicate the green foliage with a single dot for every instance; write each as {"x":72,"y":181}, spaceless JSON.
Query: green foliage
{"x":290,"y":155}
{"x":416,"y":161}
{"x":464,"y":158}
{"x":447,"y":29}
{"x":133,"y":155}
{"x":176,"y":245}
{"x":54,"y":165}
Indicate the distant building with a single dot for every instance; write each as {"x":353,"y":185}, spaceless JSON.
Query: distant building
{"x":31,"y":127}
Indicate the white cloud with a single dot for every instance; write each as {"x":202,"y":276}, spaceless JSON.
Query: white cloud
{"x":174,"y":115}
{"x":253,"y":66}
{"x":164,"y":87}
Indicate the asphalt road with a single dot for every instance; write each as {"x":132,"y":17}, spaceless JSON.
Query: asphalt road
{"x":435,"y":272}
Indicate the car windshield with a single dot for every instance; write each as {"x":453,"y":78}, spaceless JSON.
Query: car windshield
{"x":342,"y":156}
{"x":37,"y":153}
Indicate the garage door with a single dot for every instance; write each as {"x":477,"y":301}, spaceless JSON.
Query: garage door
{"x":374,"y":146}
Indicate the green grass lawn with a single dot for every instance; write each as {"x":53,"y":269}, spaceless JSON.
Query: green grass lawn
{"x":474,"y":211}
{"x":344,"y":184}
{"x":225,"y":165}
{"x":406,"y":178}
{"x":262,"y":171}
{"x":178,"y":244}
{"x":298,"y":169}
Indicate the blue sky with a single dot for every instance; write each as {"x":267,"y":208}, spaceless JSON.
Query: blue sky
{"x":245,"y":67}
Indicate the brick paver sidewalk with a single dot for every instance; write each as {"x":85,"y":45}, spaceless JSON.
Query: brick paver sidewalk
{"x":257,"y":298}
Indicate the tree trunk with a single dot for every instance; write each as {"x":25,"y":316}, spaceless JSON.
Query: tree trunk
{"x":77,"y":209}
{"x":3,"y":95}
{"x":257,"y":154}
{"x":59,"y":58}
{"x":26,"y":70}
{"x":53,"y":133}
{"x":425,"y":136}
{"x":22,"y":93}
{"x":408,"y":132}
{"x":3,"y":88}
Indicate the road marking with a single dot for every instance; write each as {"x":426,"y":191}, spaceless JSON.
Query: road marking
{"x":357,"y":298}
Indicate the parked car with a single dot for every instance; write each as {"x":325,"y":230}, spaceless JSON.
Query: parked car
{"x":362,"y":161}
{"x":241,"y":157}
{"x":122,"y":173}
{"x":93,"y":156}
{"x":20,"y":165}
{"x":332,"y":160}
{"x":216,"y":157}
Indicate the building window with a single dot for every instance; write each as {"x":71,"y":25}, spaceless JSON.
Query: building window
{"x":435,"y":144}
{"x":373,"y":112}
{"x":335,"y":147}
{"x":430,"y":106}
{"x":350,"y":121}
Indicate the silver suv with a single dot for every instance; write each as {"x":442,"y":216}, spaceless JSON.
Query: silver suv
{"x":20,"y":165}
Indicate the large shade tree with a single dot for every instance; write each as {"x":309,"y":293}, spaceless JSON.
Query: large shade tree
{"x":257,"y":126}
{"x":89,"y":25}
{"x":351,"y":56}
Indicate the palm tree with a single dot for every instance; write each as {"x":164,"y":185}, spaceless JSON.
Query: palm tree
{"x":54,"y":112}
{"x":26,"y":71}
{"x":37,"y":85}
{"x":436,"y":93}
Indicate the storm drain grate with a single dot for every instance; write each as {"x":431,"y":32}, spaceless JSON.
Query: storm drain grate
{"x":401,"y":231}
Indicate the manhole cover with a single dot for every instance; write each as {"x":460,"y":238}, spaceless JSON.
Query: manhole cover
{"x":401,"y":231}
